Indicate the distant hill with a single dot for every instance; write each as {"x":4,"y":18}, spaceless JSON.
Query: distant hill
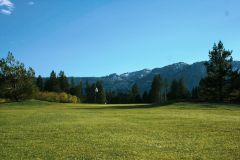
{"x":190,"y":73}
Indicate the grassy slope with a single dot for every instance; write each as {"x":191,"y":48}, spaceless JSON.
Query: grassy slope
{"x":32,"y":130}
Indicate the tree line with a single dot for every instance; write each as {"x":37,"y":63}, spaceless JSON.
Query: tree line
{"x":221,"y":83}
{"x":160,"y":92}
{"x":19,"y":83}
{"x":91,"y":93}
{"x":95,"y":92}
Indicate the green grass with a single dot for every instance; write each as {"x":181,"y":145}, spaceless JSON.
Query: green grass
{"x":42,"y":130}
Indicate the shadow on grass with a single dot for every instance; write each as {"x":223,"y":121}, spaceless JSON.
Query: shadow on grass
{"x":24,"y":104}
{"x":130,"y":106}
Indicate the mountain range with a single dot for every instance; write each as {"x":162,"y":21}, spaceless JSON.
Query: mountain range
{"x":191,"y":74}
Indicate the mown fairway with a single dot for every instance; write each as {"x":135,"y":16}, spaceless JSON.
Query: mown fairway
{"x":41,"y":130}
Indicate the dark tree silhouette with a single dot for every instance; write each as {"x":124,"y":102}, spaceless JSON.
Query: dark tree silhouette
{"x":40,"y":83}
{"x":216,"y":85}
{"x":155,"y":91}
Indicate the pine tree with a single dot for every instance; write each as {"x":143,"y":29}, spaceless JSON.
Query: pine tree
{"x":93,"y":93}
{"x":77,"y":91}
{"x":216,"y":85}
{"x":17,"y":82}
{"x":135,"y":96}
{"x":183,"y":92}
{"x":123,"y":98}
{"x":52,"y":83}
{"x":165,"y":89}
{"x":63,"y":82}
{"x":145,"y":97}
{"x":178,"y":90}
{"x":195,"y":93}
{"x":88,"y":92}
{"x":155,"y":91}
{"x":101,"y":96}
{"x":72,"y":82}
{"x":80,"y":88}
{"x":235,"y":87}
{"x":40,"y":83}
{"x":173,"y":93}
{"x":110,"y":97}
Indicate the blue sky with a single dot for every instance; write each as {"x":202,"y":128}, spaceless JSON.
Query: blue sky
{"x":99,"y":37}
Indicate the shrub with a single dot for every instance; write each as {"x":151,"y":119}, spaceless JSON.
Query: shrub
{"x":57,"y":97}
{"x":74,"y":99}
{"x":4,"y":100}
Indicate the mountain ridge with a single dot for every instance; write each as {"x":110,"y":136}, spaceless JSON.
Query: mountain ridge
{"x":190,"y":73}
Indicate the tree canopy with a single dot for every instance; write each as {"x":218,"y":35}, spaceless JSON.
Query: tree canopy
{"x":17,"y":82}
{"x":216,"y":85}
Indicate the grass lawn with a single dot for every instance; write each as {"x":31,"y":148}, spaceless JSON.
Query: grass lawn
{"x":42,"y":130}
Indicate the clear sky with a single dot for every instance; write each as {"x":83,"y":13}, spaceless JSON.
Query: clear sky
{"x":99,"y":37}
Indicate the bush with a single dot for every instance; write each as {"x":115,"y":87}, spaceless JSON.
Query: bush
{"x":57,"y":97}
{"x":4,"y":100}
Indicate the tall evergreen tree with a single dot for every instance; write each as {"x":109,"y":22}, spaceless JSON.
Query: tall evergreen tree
{"x":17,"y":82}
{"x":195,"y":93}
{"x":135,"y":96}
{"x":80,"y":88}
{"x":155,"y":91}
{"x":110,"y":97}
{"x":52,"y":83}
{"x":72,"y":83}
{"x":145,"y":97}
{"x":63,"y":82}
{"x":235,"y":86}
{"x":93,"y":93}
{"x":40,"y":83}
{"x":183,"y":92}
{"x":178,"y":90}
{"x":101,"y":96}
{"x":123,"y":98}
{"x":215,"y":86}
{"x":88,"y":92}
{"x":165,"y":89}
{"x":173,"y":93}
{"x":77,"y":91}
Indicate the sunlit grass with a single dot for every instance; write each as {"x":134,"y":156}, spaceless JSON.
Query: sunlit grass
{"x":34,"y":129}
